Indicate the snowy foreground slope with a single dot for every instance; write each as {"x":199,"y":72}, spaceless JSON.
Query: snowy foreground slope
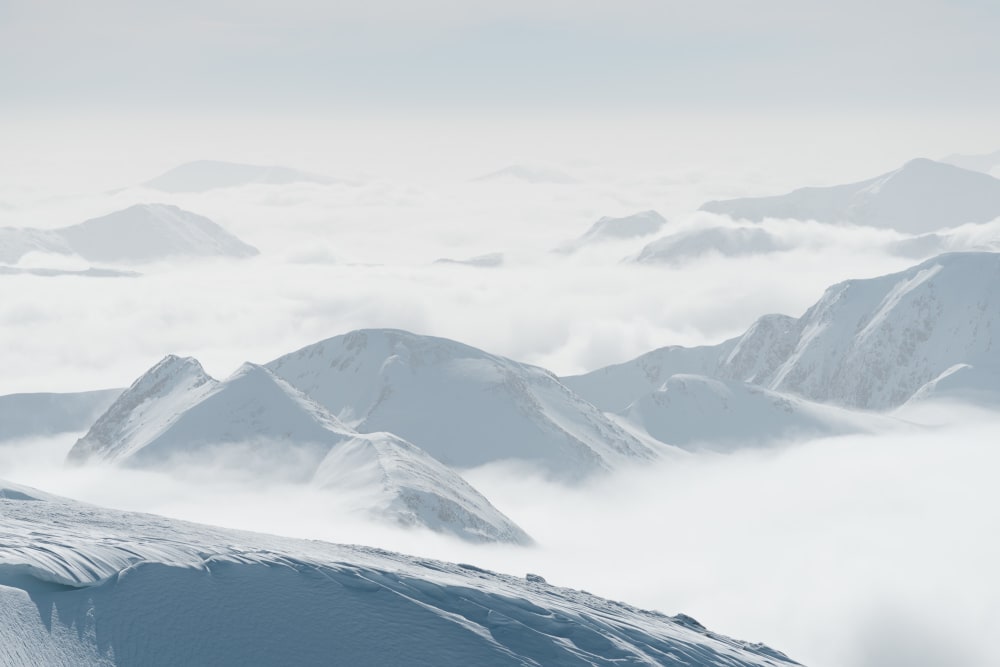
{"x":463,"y":406}
{"x":34,"y":415}
{"x":84,"y":586}
{"x":921,"y":196}
{"x":870,"y":344}
{"x":176,"y":415}
{"x":205,"y":175}
{"x":140,"y":233}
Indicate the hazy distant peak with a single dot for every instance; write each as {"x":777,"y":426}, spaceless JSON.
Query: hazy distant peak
{"x":203,"y":175}
{"x":984,"y":162}
{"x":921,"y":196}
{"x":636,"y":225}
{"x":489,"y":260}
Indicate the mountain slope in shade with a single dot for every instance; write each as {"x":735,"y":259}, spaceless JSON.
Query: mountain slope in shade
{"x":985,"y":162}
{"x":726,"y":241}
{"x":637,"y":225}
{"x":140,"y":233}
{"x":693,"y":412}
{"x":869,"y":344}
{"x":463,"y":406}
{"x":253,"y":421}
{"x":205,"y":175}
{"x":84,"y":586}
{"x":921,"y":196}
{"x":37,"y":415}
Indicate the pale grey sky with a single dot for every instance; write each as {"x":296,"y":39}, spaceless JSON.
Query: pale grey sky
{"x":632,"y":54}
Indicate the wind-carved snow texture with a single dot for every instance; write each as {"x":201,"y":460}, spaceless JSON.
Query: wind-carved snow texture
{"x":140,"y":233}
{"x":39,"y":415}
{"x":83,"y":586}
{"x":870,"y":344}
{"x":461,"y":405}
{"x":726,"y":241}
{"x":921,"y":196}
{"x":175,"y":414}
{"x":205,"y":175}
{"x":637,"y":225}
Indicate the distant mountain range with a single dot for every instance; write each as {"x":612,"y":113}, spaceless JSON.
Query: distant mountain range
{"x":635,"y":226}
{"x":921,"y":196}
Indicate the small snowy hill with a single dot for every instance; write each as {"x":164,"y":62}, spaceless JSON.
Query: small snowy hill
{"x":83,"y":586}
{"x":693,"y":411}
{"x":148,"y":232}
{"x":868,"y":344}
{"x":632,"y":226}
{"x":176,"y":414}
{"x":36,"y":415}
{"x":527,"y":174}
{"x":140,"y":233}
{"x":204,"y":175}
{"x":921,"y":196}
{"x":463,"y":406}
{"x":726,"y":241}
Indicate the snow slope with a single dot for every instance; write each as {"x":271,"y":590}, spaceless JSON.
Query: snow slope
{"x":176,"y":415}
{"x":463,"y":406}
{"x":869,"y":344}
{"x":34,"y":415}
{"x":726,"y":241}
{"x":204,"y":175}
{"x":140,"y":233}
{"x":637,"y":225}
{"x":693,"y":411}
{"x":921,"y":196}
{"x":83,"y":586}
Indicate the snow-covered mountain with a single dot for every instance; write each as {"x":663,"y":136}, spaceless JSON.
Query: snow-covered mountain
{"x":204,"y":175}
{"x":176,"y":414}
{"x":694,"y":412}
{"x":36,"y":415}
{"x":148,"y":232}
{"x":83,"y":586}
{"x":868,"y":344}
{"x":488,"y":260}
{"x":637,"y":225}
{"x":140,"y":233}
{"x":921,"y":196}
{"x":463,"y":406}
{"x":726,"y":241}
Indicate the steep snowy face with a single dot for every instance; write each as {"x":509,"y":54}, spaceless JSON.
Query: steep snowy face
{"x":868,"y":344}
{"x":205,"y":175}
{"x":148,"y":232}
{"x":403,"y":483}
{"x":726,"y":241}
{"x":873,"y":343}
{"x":461,"y":405}
{"x":632,"y":226}
{"x":33,"y":415}
{"x":256,"y":423}
{"x":695,"y":412}
{"x":921,"y":196}
{"x":144,"y":410}
{"x":82,"y":586}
